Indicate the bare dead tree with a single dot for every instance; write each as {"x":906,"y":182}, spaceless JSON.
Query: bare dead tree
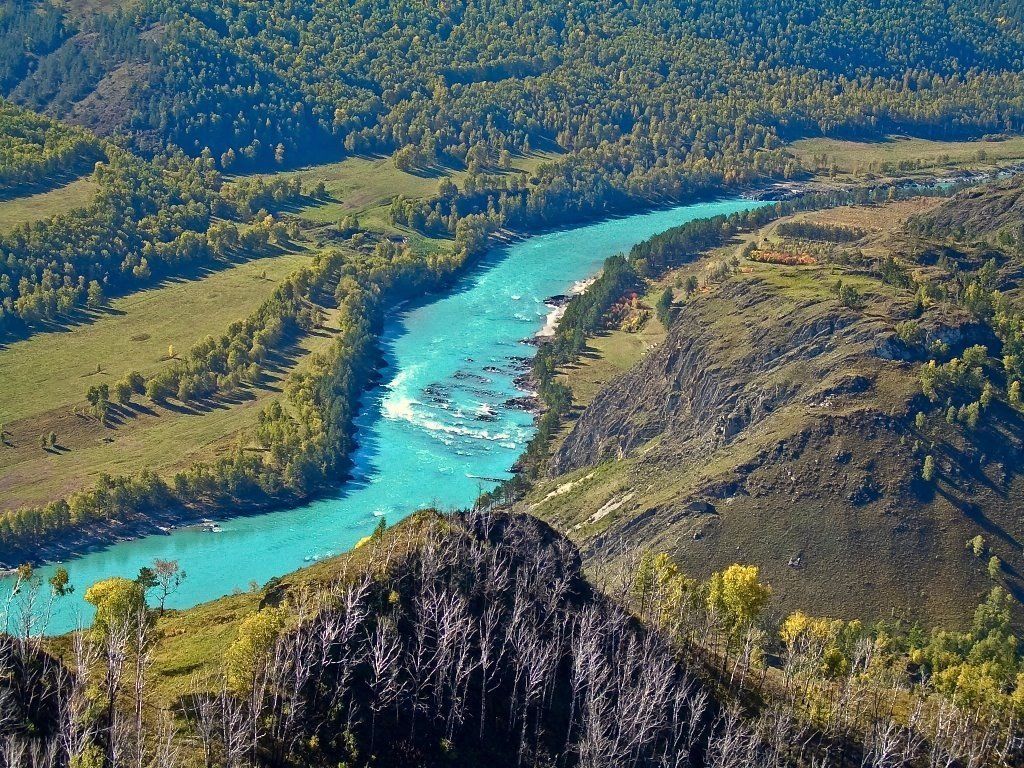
{"x":883,"y":744}
{"x":13,"y":751}
{"x":385,"y":682}
{"x":492,"y":649}
{"x":77,"y":730}
{"x":166,"y":744}
{"x":142,"y":648}
{"x":733,"y":744}
{"x":235,"y":731}
{"x":205,"y":719}
{"x":116,"y":644}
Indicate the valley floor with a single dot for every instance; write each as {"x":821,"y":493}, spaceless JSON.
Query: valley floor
{"x":44,"y":378}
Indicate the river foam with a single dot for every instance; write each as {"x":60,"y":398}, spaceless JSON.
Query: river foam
{"x":554,"y":317}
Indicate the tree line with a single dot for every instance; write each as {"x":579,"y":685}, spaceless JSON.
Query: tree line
{"x":147,"y":221}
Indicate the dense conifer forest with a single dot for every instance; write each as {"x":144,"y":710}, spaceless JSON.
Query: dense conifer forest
{"x":651,"y":102}
{"x":34,"y":149}
{"x":639,"y":91}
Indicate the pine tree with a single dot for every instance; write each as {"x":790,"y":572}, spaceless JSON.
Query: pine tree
{"x":928,"y":471}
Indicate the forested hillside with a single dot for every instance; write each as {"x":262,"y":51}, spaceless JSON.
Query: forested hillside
{"x":56,"y":60}
{"x":707,"y":86}
{"x":638,"y":78}
{"x":650,"y":102}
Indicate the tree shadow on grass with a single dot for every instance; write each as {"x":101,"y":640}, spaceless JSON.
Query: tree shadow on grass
{"x":50,"y":182}
{"x":79,"y":316}
{"x":975,"y":514}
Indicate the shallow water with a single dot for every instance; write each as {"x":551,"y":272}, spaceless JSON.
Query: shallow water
{"x":438,"y":430}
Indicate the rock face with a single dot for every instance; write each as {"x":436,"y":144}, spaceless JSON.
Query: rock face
{"x":704,"y":389}
{"x":979,"y":212}
{"x":775,"y":426}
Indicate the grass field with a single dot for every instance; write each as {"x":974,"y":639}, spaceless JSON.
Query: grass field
{"x":43,"y":380}
{"x":52,"y":369}
{"x":358,"y":185}
{"x":164,"y":438}
{"x":365,"y":186}
{"x":872,"y":218}
{"x":30,"y":208}
{"x":904,"y":155}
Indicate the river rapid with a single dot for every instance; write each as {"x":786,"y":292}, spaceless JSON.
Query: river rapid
{"x":445,"y":423}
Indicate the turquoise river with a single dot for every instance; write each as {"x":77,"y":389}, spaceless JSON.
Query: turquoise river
{"x":442,"y":426}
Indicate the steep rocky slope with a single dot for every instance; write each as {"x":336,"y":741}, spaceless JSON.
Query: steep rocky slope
{"x":776,"y":426}
{"x":979,"y":212}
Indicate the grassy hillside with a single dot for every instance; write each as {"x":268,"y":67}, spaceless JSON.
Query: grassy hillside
{"x":906,"y":155}
{"x":42,"y":205}
{"x":776,"y":425}
{"x":612,"y":353}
